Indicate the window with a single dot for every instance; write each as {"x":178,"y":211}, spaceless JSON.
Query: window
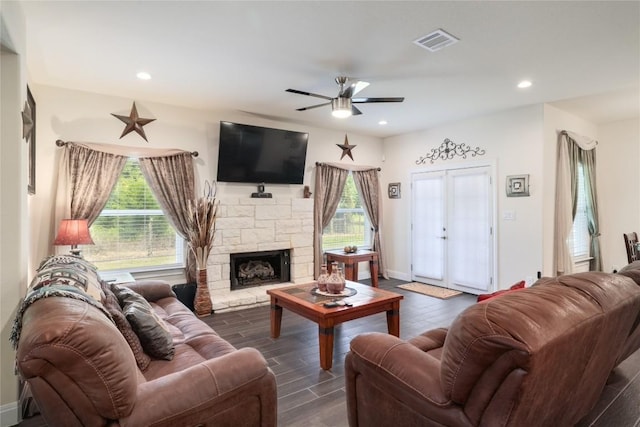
{"x":132,"y":232}
{"x":580,"y":240}
{"x":350,"y":225}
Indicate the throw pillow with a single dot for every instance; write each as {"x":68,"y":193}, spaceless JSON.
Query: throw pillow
{"x":151,"y":330}
{"x":486,"y":297}
{"x":112,"y":305}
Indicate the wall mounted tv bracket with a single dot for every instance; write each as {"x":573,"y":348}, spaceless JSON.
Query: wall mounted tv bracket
{"x":261,"y":194}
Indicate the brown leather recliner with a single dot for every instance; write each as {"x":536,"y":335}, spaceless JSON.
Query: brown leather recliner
{"x":536,"y":357}
{"x":82,"y":372}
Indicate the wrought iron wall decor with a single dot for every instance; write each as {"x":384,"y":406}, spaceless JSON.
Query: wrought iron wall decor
{"x":448,"y":150}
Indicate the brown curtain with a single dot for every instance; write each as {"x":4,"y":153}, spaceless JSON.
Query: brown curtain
{"x":172,"y":182}
{"x":328,"y":191}
{"x":92,"y":175}
{"x":574,"y":149}
{"x":368,"y":187}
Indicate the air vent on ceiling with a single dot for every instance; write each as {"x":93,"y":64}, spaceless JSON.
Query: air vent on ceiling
{"x":436,"y":40}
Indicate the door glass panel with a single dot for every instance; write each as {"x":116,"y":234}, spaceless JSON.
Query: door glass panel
{"x":469,"y":229}
{"x":428,"y":225}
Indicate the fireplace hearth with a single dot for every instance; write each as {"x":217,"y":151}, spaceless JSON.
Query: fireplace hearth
{"x":251,"y":269}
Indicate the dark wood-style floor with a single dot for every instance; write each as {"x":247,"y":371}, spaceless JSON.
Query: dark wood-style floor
{"x":311,"y":397}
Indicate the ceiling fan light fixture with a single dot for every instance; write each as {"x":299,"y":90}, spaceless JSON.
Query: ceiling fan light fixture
{"x":341,"y":107}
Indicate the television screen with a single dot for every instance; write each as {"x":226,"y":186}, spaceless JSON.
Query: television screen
{"x":255,"y":154}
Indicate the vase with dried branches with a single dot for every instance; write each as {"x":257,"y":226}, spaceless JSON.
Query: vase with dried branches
{"x":202,"y":227}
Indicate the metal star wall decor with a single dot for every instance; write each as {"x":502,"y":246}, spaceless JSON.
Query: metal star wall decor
{"x":27,"y":122}
{"x":133,"y":122}
{"x":346,"y":148}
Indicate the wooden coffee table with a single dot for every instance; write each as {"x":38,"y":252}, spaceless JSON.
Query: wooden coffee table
{"x":300,"y":300}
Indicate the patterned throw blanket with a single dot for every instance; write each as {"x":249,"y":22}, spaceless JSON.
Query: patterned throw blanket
{"x":54,"y":290}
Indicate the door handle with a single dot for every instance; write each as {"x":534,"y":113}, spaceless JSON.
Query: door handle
{"x":443,"y":237}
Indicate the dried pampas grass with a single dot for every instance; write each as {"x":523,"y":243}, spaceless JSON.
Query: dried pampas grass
{"x":202,"y":225}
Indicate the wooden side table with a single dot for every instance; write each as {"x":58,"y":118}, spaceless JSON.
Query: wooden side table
{"x":351,"y":261}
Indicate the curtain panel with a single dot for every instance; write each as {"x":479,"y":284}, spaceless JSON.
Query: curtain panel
{"x":88,"y":172}
{"x":368,"y":186}
{"x":329,"y":184}
{"x":574,"y":149}
{"x":85,"y":180}
{"x":171,"y":179}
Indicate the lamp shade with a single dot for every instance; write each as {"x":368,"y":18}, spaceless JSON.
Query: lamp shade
{"x":73,"y":232}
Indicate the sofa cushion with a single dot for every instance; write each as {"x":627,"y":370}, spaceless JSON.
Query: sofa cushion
{"x":517,"y":286}
{"x":194,"y":340}
{"x":153,"y":333}
{"x":112,"y":305}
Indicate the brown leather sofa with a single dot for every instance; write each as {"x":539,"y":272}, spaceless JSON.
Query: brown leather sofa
{"x":535,"y":357}
{"x":82,"y":372}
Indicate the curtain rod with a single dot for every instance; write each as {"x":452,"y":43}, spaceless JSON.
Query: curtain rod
{"x":322,"y":164}
{"x":61,"y":143}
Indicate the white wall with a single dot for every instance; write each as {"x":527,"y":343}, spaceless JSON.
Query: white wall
{"x":514,"y":140}
{"x":618,"y":171}
{"x":13,"y":196}
{"x":81,"y":116}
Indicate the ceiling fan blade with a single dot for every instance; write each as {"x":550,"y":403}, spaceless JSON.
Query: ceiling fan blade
{"x":313,"y":106}
{"x":354,"y":88}
{"x":366,"y":100}
{"x":355,"y":111}
{"x":359,"y":86}
{"x":299,"y":92}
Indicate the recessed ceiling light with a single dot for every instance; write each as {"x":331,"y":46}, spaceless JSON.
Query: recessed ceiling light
{"x":382,"y":122}
{"x":143,"y":75}
{"x":524,"y":84}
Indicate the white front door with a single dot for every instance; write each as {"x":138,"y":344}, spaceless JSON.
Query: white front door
{"x":452,"y":228}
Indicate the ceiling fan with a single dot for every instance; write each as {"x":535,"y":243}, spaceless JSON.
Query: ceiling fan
{"x":342,"y":105}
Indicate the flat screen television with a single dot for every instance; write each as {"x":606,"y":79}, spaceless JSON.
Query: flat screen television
{"x":255,"y":154}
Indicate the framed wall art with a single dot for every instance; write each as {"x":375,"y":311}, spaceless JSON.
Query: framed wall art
{"x":518,"y":186}
{"x":29,"y":133}
{"x":394,"y":190}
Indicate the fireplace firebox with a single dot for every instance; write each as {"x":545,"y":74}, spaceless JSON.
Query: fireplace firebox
{"x":250,"y":269}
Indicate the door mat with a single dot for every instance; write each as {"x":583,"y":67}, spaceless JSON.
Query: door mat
{"x":432,"y":291}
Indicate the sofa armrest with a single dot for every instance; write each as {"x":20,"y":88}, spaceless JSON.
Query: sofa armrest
{"x":383,"y":371}
{"x":409,"y":366}
{"x":207,"y":390}
{"x":152,"y":290}
{"x":430,"y":340}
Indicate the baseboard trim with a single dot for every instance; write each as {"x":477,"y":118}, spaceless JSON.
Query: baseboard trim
{"x":9,"y":414}
{"x":399,"y":275}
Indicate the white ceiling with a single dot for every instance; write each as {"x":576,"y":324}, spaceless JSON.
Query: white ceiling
{"x":582,"y":56}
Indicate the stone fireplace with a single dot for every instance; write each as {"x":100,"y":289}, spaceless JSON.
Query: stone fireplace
{"x":247,"y":225}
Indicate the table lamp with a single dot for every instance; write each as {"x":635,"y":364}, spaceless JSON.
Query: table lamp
{"x":73,"y":232}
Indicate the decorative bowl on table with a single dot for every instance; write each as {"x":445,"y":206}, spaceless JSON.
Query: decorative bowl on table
{"x":350,"y":249}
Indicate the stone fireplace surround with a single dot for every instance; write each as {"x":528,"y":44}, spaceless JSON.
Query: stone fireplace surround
{"x":252,"y":225}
